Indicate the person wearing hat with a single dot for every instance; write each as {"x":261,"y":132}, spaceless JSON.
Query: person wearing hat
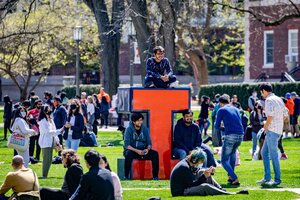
{"x":59,"y":116}
{"x":233,"y":136}
{"x":290,"y":106}
{"x":188,"y":179}
{"x":295,"y":124}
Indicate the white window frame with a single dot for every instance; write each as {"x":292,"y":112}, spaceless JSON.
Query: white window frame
{"x":268,"y":65}
{"x":290,"y":42}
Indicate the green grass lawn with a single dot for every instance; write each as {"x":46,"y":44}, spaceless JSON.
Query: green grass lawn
{"x":249,"y":171}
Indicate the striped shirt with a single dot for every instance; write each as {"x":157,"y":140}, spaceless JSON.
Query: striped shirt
{"x":275,"y":107}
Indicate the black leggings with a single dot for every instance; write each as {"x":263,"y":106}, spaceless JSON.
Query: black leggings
{"x":53,"y":194}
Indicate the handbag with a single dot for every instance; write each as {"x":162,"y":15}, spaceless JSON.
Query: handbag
{"x":18,"y":141}
{"x":30,"y":195}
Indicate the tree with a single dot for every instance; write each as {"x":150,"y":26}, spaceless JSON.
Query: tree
{"x":289,"y":10}
{"x":109,"y":34}
{"x":34,"y":39}
{"x":6,"y":6}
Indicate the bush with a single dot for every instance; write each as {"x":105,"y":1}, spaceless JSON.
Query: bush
{"x":89,"y":89}
{"x":244,"y":90}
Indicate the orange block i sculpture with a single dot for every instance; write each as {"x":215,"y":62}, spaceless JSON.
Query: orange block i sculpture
{"x":160,"y":104}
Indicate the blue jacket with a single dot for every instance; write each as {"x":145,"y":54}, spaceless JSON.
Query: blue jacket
{"x":60,"y":116}
{"x":187,"y":137}
{"x":297,"y":106}
{"x":77,"y":128}
{"x":141,"y":141}
{"x":155,"y":69}
{"x":231,"y":118}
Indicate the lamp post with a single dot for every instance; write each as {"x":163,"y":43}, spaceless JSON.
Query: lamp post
{"x":131,"y":52}
{"x":77,"y":38}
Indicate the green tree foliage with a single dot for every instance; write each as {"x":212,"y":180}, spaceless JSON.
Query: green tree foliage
{"x":38,"y":36}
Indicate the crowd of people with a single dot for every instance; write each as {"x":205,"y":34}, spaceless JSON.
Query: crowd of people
{"x":58,"y":121}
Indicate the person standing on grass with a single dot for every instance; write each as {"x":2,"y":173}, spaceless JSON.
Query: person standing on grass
{"x":104,"y":111}
{"x":234,"y":133}
{"x":72,"y":178}
{"x":295,"y":123}
{"x":257,"y":118}
{"x":32,"y":117}
{"x":7,"y":114}
{"x":48,"y":132}
{"x":20,"y":126}
{"x":138,"y":145}
{"x":273,"y":126}
{"x":74,"y":126}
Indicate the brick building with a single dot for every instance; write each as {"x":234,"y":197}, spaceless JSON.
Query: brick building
{"x":272,"y":50}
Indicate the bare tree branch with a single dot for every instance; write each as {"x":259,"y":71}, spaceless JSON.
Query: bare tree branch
{"x":260,"y":19}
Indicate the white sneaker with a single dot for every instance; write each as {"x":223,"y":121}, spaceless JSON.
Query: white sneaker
{"x":174,"y":84}
{"x":262,"y":182}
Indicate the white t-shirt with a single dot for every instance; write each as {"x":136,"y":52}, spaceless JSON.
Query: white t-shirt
{"x":72,"y":122}
{"x":90,"y":108}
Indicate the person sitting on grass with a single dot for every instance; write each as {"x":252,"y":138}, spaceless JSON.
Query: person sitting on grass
{"x":22,"y":179}
{"x":117,"y":184}
{"x":72,"y":178}
{"x":188,"y":179}
{"x":97,"y":183}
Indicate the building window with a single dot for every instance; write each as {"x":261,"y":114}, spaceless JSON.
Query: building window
{"x":268,"y":49}
{"x":293,"y":42}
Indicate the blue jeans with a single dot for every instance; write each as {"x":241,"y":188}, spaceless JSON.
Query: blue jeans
{"x":90,"y":122}
{"x":270,"y":149}
{"x":228,"y":157}
{"x":72,"y":143}
{"x":254,"y":142}
{"x":204,"y":125}
{"x":179,"y":153}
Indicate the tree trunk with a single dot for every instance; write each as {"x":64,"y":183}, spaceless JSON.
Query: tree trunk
{"x":139,"y":16}
{"x":109,"y":34}
{"x":167,"y":30}
{"x":196,"y":58}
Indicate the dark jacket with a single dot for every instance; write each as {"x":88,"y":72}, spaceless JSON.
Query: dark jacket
{"x":72,"y":179}
{"x":141,"y":141}
{"x":256,"y":123}
{"x":104,"y":107}
{"x":156,"y":70}
{"x":60,"y":116}
{"x":7,"y":114}
{"x":97,"y":184}
{"x":182,"y":177}
{"x":186,"y":137}
{"x":297,"y":106}
{"x":204,"y":110}
{"x":77,"y":128}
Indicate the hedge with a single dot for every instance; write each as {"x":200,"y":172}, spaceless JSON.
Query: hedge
{"x":89,"y":89}
{"x":244,"y":90}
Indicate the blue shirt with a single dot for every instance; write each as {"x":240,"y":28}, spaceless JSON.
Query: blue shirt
{"x":231,"y":119}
